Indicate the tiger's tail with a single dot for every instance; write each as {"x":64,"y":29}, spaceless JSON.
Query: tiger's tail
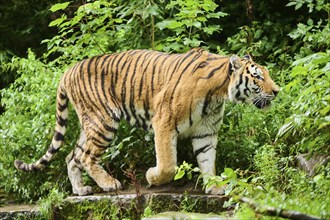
{"x":58,"y":137}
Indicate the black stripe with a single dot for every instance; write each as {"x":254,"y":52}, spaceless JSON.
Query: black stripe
{"x":77,"y":161}
{"x":240,"y":81}
{"x":230,"y":69}
{"x":146,"y":107}
{"x":63,"y":96}
{"x":98,"y":95}
{"x":71,"y":157}
{"x":211,"y":73}
{"x":184,"y":70}
{"x":61,"y":121}
{"x":101,"y":135}
{"x":200,"y":65}
{"x":83,"y":95}
{"x":179,"y":63}
{"x":105,"y":97}
{"x":52,"y":150}
{"x":121,"y":56}
{"x":190,"y":113}
{"x":246,"y":87}
{"x":206,"y":102}
{"x":217,"y":58}
{"x":153,"y":73}
{"x":203,"y":149}
{"x":132,"y":88}
{"x":80,"y":147}
{"x":58,"y":136}
{"x":101,"y":146}
{"x":217,"y":121}
{"x":123,"y":92}
{"x":105,"y":60}
{"x":91,"y":103}
{"x":43,"y":162}
{"x":63,"y":107}
{"x":205,"y":160}
{"x":161,"y":71}
{"x":210,"y":94}
{"x":109,"y":128}
{"x":201,"y":136}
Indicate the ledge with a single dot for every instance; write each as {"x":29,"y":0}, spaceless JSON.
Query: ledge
{"x":89,"y":206}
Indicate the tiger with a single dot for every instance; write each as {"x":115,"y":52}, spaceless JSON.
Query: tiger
{"x":172,"y":95}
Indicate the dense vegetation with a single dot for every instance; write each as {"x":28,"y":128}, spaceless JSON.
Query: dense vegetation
{"x":291,"y":38}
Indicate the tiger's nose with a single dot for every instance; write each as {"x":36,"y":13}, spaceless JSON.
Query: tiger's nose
{"x":275,"y":92}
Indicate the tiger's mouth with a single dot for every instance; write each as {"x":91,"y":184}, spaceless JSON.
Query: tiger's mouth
{"x":261,"y":102}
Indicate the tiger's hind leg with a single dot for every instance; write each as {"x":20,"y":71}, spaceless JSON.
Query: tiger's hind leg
{"x":75,"y":169}
{"x":97,"y":140}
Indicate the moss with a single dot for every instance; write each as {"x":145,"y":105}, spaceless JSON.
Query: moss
{"x":99,"y":209}
{"x":188,"y":203}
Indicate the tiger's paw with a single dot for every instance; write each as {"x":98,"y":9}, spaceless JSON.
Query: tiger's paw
{"x":215,"y":190}
{"x":158,"y":177}
{"x":111,"y":185}
{"x":82,"y":191}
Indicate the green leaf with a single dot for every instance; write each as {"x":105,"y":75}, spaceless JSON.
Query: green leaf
{"x":229,"y":174}
{"x":179,"y":174}
{"x":284,"y":130}
{"x":58,"y":21}
{"x":59,"y":6}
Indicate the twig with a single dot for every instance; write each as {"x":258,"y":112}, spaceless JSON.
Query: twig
{"x":273,"y":211}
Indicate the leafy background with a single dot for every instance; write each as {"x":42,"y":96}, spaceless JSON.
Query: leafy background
{"x":40,"y":40}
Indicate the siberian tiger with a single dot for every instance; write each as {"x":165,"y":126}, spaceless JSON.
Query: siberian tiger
{"x":173,"y":95}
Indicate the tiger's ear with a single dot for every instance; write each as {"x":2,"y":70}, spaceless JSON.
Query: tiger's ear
{"x":247,"y":57}
{"x":235,"y":62}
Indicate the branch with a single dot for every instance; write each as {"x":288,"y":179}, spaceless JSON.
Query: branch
{"x":273,"y":211}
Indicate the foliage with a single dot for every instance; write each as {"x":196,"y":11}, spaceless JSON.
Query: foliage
{"x":290,"y":38}
{"x":88,"y":33}
{"x":189,"y":24}
{"x":27,"y":126}
{"x":54,"y":200}
{"x":185,"y":169}
{"x":129,"y":147}
{"x":287,"y":187}
{"x":308,"y":126}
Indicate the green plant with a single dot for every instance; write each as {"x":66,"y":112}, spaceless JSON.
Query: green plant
{"x":187,"y":204}
{"x":131,"y":149}
{"x":93,"y":28}
{"x":147,"y":212}
{"x":190,"y":23}
{"x":50,"y":204}
{"x":282,"y":185}
{"x":185,"y":169}
{"x":229,"y":179}
{"x":307,"y":127}
{"x":27,"y":127}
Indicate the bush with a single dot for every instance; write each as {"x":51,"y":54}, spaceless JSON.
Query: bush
{"x":27,"y":127}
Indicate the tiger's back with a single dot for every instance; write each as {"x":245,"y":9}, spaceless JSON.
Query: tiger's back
{"x":128,"y":85}
{"x":171,"y":94}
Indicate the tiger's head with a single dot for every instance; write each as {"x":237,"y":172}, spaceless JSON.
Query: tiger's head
{"x":250,"y":83}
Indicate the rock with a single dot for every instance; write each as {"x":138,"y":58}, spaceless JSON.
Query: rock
{"x":19,"y":212}
{"x":184,"y":216}
{"x":309,"y":163}
{"x":106,"y":206}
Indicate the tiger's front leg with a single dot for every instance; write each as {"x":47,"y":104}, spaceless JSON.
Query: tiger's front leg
{"x":204,"y":146}
{"x":165,"y":145}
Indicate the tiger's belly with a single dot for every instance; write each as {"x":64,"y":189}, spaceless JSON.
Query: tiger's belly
{"x":199,"y":123}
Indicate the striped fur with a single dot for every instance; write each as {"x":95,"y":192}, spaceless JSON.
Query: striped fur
{"x":174,"y":96}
